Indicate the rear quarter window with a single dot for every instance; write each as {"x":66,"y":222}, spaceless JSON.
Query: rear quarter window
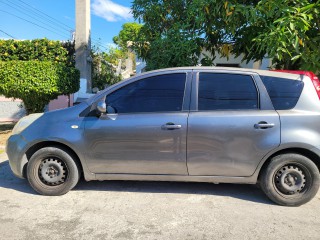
{"x":284,"y":92}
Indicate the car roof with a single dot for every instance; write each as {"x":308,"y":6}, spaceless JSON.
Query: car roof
{"x":231,"y":69}
{"x":310,"y":74}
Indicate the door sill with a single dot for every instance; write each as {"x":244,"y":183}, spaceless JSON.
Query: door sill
{"x":176,"y":178}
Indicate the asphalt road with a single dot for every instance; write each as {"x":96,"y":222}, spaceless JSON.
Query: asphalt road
{"x":150,"y":210}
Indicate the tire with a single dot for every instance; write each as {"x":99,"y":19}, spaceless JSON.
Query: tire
{"x":52,"y":171}
{"x":290,"y":179}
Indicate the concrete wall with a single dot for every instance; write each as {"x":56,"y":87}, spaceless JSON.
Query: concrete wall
{"x":60,"y":102}
{"x":11,"y":110}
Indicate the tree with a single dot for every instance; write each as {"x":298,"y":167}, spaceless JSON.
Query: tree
{"x":105,"y":63}
{"x":176,"y":32}
{"x":128,"y":33}
{"x":285,"y":30}
{"x":103,"y":67}
{"x":126,"y":40}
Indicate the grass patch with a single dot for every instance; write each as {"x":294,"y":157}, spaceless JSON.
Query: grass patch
{"x":5,"y":132}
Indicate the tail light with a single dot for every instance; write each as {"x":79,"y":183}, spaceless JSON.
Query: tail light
{"x":316,"y":85}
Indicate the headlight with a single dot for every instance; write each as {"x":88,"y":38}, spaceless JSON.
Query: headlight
{"x":25,"y":122}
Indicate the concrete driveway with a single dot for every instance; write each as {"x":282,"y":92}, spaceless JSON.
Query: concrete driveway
{"x":150,"y":210}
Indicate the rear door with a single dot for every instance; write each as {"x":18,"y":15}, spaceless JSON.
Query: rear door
{"x":232,"y":124}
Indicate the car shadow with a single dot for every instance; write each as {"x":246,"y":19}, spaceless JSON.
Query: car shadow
{"x":246,"y":192}
{"x":240,"y":191}
{"x":10,"y":181}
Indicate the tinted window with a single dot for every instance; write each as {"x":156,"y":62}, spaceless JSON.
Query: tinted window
{"x":284,"y":93}
{"x":162,"y":93}
{"x":219,"y":91}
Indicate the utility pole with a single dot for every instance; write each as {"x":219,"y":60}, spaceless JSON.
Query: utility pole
{"x":83,"y":46}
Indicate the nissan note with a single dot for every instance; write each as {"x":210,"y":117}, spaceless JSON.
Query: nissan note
{"x":200,"y":124}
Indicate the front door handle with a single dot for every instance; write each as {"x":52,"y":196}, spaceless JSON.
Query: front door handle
{"x":170,"y":126}
{"x":263,"y":125}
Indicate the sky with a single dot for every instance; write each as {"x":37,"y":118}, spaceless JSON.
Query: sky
{"x":55,"y":19}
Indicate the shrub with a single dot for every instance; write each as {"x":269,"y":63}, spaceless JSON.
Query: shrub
{"x":104,"y":76}
{"x":37,"y":82}
{"x":37,"y":49}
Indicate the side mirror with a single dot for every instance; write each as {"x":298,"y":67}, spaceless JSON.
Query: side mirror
{"x":102,"y":107}
{"x":111,"y":110}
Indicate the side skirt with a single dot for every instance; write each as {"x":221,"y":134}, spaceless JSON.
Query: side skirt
{"x":176,"y":178}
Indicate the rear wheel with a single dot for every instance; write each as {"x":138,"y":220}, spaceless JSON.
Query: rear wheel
{"x":290,"y":179}
{"x":52,"y":171}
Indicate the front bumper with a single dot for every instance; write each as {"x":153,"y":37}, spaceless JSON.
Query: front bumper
{"x":15,"y":147}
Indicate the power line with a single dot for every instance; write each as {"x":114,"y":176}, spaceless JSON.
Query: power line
{"x":100,"y":45}
{"x":32,"y":23}
{"x":23,"y":12}
{"x":33,"y":12}
{"x":46,"y":19}
{"x":43,"y":13}
{"x":7,"y":34}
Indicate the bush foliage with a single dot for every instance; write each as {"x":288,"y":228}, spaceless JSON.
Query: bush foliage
{"x":37,"y":49}
{"x":105,"y":76}
{"x":103,"y":68}
{"x":37,"y":82}
{"x":37,"y":71}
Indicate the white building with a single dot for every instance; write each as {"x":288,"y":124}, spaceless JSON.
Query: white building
{"x":232,"y":61}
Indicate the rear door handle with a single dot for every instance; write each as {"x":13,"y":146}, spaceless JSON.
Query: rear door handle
{"x":170,"y":126}
{"x":263,"y":125}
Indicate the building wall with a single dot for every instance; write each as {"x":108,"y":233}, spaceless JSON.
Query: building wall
{"x":61,"y":102}
{"x":11,"y":110}
{"x":264,"y":64}
{"x":232,"y":60}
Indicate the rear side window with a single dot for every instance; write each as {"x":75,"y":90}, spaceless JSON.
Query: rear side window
{"x":221,"y":91}
{"x":284,"y":93}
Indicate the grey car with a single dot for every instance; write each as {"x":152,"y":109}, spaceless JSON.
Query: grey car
{"x":219,"y":125}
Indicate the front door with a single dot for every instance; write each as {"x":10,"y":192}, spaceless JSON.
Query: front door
{"x":147,"y":132}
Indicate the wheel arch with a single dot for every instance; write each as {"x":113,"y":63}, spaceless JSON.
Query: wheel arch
{"x":302,"y":151}
{"x":34,"y":148}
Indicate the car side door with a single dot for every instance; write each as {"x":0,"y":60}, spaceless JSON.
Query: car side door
{"x":232,"y":124}
{"x":146,"y":134}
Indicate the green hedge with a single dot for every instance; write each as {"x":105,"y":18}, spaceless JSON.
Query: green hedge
{"x":37,"y":82}
{"x":37,"y":49}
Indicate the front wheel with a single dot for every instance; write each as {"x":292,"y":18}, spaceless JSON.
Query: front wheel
{"x":290,"y":179}
{"x":52,"y":171}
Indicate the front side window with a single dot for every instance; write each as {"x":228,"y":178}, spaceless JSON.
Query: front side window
{"x":163,"y":93}
{"x":223,"y":91}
